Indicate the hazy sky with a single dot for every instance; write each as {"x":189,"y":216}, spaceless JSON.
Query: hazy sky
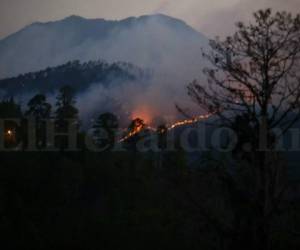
{"x":212,"y":17}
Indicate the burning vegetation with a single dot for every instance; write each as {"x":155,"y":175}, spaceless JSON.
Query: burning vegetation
{"x":138,"y":125}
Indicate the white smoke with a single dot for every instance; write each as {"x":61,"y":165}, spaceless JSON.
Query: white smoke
{"x":168,"y":46}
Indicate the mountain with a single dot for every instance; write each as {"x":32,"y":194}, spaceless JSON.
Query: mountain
{"x":157,"y":41}
{"x":81,"y":76}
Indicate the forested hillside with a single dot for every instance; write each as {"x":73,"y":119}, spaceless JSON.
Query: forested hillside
{"x":78,"y":75}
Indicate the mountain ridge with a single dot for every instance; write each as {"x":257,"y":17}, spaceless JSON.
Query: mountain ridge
{"x":147,"y":41}
{"x":74,"y":18}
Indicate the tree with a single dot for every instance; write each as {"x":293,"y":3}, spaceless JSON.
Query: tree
{"x":9,"y":109}
{"x":39,"y":109}
{"x":134,"y":133}
{"x":65,"y":106}
{"x":254,"y":77}
{"x":66,"y":114}
{"x":255,"y":71}
{"x":105,"y":129}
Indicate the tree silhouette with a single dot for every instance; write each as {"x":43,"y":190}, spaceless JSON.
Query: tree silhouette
{"x":254,"y":80}
{"x":9,"y":109}
{"x":255,"y":71}
{"x":105,"y":129}
{"x":66,"y":114}
{"x":38,"y":107}
{"x":66,"y":104}
{"x":39,"y":110}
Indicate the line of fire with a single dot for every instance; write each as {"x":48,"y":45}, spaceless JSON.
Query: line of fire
{"x":16,"y":132}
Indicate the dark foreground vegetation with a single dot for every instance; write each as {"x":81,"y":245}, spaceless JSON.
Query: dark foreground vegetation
{"x":108,"y":200}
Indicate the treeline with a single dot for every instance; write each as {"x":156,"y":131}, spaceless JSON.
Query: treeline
{"x":24,"y":125}
{"x":81,"y":75}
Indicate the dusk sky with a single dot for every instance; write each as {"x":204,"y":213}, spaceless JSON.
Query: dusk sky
{"x":211,"y":17}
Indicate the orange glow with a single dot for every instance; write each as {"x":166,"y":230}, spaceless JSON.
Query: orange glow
{"x":189,"y":121}
{"x":9,"y":132}
{"x":139,"y":127}
{"x":144,"y":113}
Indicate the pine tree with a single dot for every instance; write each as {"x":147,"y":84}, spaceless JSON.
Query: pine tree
{"x":38,"y":107}
{"x":105,"y":130}
{"x":66,"y":104}
{"x":40,"y":111}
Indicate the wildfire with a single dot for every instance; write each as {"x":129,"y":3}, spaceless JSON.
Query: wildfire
{"x":189,"y":121}
{"x":135,"y":128}
{"x":138,"y":125}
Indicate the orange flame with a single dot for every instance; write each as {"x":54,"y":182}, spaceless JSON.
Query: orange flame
{"x":138,"y":126}
{"x":189,"y":121}
{"x":137,"y":129}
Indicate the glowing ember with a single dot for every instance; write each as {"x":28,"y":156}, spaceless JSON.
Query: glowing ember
{"x":189,"y":121}
{"x":131,"y":134}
